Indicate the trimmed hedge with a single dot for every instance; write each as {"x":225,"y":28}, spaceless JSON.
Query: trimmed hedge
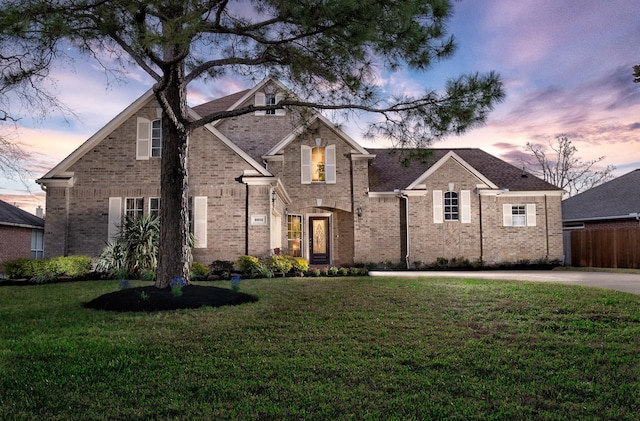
{"x":48,"y":270}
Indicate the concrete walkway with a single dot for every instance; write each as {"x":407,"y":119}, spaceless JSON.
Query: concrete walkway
{"x":624,"y":282}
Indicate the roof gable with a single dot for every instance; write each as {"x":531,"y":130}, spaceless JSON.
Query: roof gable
{"x":90,"y":143}
{"x":614,"y":199}
{"x":14,"y":216}
{"x":279,"y":147}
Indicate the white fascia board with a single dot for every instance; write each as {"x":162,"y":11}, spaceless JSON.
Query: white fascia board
{"x":90,"y":143}
{"x":374,"y":194}
{"x":437,"y":165}
{"x":355,"y":156}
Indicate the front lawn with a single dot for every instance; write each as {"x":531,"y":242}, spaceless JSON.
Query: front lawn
{"x":325,"y":349}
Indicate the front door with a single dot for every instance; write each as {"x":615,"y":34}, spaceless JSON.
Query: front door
{"x":319,"y":240}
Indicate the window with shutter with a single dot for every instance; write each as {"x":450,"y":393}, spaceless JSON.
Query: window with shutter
{"x":200,"y":222}
{"x":465,"y":206}
{"x":305,"y":168}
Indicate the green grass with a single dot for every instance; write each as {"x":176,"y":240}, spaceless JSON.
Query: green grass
{"x":326,"y":349}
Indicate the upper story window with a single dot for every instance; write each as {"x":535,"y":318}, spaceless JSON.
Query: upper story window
{"x":148,"y":138}
{"x":156,"y":138}
{"x":318,"y":164}
{"x":450,"y":206}
{"x":262,"y":99}
{"x":270,"y":99}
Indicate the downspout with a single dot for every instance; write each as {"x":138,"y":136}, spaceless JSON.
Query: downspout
{"x":546,"y":225}
{"x":481,"y":233}
{"x":246,"y":215}
{"x":407,"y":237}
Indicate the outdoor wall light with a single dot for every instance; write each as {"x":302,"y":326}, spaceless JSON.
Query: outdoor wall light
{"x":359,"y":212}
{"x":273,"y":197}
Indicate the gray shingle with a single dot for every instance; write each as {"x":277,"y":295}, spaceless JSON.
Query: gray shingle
{"x":615,"y":198}
{"x":387,"y":172}
{"x":11,"y":215}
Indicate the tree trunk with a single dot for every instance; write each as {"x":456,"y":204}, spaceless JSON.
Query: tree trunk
{"x":174,"y":252}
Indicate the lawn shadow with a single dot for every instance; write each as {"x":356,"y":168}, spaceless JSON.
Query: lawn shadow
{"x":150,"y":298}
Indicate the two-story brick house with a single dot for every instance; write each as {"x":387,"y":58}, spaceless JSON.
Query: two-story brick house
{"x":271,"y":180}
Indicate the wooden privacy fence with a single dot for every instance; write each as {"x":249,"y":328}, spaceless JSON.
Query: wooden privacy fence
{"x":605,"y":248}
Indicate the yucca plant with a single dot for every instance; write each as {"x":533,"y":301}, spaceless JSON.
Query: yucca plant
{"x":135,"y":249}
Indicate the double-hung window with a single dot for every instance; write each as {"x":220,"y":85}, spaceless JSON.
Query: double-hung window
{"x":318,"y":164}
{"x":37,"y":244}
{"x":270,"y":99}
{"x":154,"y":206}
{"x":134,"y":207}
{"x":156,"y":138}
{"x":517,"y":215}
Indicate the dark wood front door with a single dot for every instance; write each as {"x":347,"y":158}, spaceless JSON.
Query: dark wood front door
{"x":319,"y":240}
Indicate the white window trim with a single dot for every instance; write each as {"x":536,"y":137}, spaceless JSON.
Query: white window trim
{"x":530,"y":214}
{"x":151,"y":147}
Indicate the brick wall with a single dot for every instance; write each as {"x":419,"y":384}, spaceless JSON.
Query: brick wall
{"x":15,"y":243}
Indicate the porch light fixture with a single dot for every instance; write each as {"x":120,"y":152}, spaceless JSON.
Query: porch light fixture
{"x":359,"y":212}
{"x":273,"y":197}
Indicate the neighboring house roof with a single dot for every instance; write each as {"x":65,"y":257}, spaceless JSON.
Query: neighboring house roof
{"x":388,"y":173}
{"x":16,"y":217}
{"x":614,"y":199}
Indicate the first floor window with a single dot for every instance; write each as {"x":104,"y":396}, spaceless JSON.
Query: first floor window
{"x":450,"y":206}
{"x":134,"y":207}
{"x":518,"y":216}
{"x":154,"y":206}
{"x":294,"y":235}
{"x":37,"y":244}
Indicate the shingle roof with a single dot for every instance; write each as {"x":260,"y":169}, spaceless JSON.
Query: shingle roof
{"x":616,"y":198}
{"x":220,"y":104}
{"x":11,"y":215}
{"x":387,"y":173}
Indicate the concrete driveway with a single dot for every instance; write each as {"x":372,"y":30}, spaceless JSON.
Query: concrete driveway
{"x":624,"y":282}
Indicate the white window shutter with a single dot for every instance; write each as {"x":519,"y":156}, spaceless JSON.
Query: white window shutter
{"x":280,"y":111}
{"x":143,"y":138}
{"x":437,"y":207}
{"x":260,"y":101}
{"x":305,"y":168}
{"x":200,"y":222}
{"x":465,"y":206}
{"x":330,"y":164}
{"x":531,"y":215}
{"x":115,"y":218}
{"x":507,"y":216}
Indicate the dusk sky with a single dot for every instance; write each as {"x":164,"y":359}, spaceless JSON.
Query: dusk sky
{"x":566,"y":66}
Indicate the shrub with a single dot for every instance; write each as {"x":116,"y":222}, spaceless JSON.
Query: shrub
{"x":279,"y":263}
{"x":44,"y":277}
{"x":343,"y":271}
{"x":199,"y":270}
{"x":73,"y":266}
{"x":262,"y":270}
{"x":246,"y":264}
{"x":299,"y":264}
{"x":18,"y":268}
{"x":148,"y":276}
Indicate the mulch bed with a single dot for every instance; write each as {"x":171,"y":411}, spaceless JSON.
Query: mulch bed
{"x":150,"y":298}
